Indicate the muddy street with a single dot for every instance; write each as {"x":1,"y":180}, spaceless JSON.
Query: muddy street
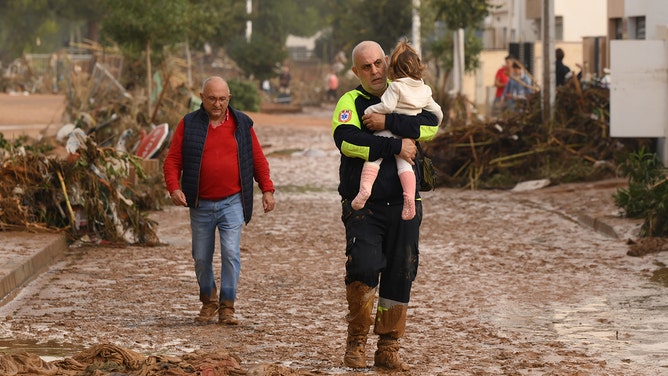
{"x":509,"y":283}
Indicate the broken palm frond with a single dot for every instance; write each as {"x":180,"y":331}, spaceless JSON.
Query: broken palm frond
{"x":571,"y":150}
{"x":67,"y":199}
{"x":507,"y":158}
{"x":518,"y":146}
{"x":88,"y":196}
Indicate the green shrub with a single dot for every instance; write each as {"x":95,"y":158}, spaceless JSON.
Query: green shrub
{"x":647,"y":194}
{"x":245,"y":95}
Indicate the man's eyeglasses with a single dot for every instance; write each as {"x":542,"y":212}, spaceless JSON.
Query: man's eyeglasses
{"x":213,"y":100}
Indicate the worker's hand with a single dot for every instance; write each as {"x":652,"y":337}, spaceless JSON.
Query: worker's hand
{"x":408,"y":150}
{"x":374,"y":121}
{"x":178,"y":198}
{"x":268,"y":201}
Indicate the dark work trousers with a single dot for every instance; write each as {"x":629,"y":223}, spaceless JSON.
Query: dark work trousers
{"x":380,"y":246}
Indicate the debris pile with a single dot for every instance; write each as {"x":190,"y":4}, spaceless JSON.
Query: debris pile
{"x":89,"y":194}
{"x":106,"y":359}
{"x":98,"y":190}
{"x":575,"y":146}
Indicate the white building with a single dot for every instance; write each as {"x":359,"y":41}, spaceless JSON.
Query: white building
{"x":638,"y":32}
{"x":520,"y":21}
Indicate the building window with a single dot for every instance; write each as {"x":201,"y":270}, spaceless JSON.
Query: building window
{"x":617,"y":28}
{"x":558,"y":28}
{"x":639,"y":27}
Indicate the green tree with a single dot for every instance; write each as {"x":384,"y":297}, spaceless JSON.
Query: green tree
{"x":459,"y":13}
{"x":353,"y":21}
{"x":215,"y":22}
{"x":441,"y":18}
{"x":138,"y":25}
{"x":272,"y":22}
{"x":28,"y":26}
{"x":146,"y":27}
{"x":44,"y":26}
{"x":89,"y":13}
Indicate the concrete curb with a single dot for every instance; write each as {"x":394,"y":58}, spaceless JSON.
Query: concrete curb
{"x":596,"y":225}
{"x":16,"y":271}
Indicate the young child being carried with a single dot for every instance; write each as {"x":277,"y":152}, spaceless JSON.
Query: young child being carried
{"x":406,"y":94}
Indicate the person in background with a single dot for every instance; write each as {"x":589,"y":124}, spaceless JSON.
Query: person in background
{"x":381,"y":248}
{"x":562,"y":71}
{"x":518,"y":87}
{"x":500,"y":82}
{"x":406,"y":94}
{"x":284,"y":80}
{"x":210,"y":166}
{"x":332,"y":86}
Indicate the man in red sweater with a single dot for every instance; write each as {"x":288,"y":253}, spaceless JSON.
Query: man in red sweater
{"x":210,"y":167}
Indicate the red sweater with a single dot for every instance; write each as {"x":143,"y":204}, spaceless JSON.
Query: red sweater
{"x":219,"y":175}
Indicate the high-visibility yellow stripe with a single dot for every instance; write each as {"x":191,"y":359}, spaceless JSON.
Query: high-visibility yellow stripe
{"x":355,"y":151}
{"x":427,"y":132}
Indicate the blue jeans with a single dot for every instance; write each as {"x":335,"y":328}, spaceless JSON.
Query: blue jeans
{"x":227,"y":215}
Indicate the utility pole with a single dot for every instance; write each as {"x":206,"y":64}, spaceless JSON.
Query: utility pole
{"x":249,"y":23}
{"x":549,"y":79}
{"x":458,"y":61}
{"x":416,"y":28}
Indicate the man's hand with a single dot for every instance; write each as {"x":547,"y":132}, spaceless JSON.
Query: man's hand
{"x":374,"y":121}
{"x":268,"y":201}
{"x":408,"y":150}
{"x":178,"y":198}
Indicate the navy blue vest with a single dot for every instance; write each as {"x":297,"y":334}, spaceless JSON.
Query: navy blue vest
{"x":196,"y":126}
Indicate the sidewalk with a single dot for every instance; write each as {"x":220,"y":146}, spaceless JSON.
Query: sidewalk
{"x":24,"y":255}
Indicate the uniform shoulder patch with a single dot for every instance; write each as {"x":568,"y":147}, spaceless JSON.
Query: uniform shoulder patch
{"x":345,"y":116}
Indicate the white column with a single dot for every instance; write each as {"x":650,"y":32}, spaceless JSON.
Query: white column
{"x":416,"y":27}
{"x":549,"y":79}
{"x":249,"y":23}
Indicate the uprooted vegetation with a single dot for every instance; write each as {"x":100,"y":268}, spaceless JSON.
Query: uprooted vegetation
{"x":99,"y":190}
{"x":518,"y":146}
{"x":90,"y":195}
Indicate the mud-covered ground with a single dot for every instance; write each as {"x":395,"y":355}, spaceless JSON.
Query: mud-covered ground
{"x":509,"y":283}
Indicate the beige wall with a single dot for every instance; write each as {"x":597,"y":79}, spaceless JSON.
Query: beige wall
{"x":615,"y":8}
{"x":479,"y":86}
{"x":534,"y":9}
{"x":582,"y":18}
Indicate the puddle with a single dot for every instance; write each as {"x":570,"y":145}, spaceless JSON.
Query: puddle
{"x":629,"y":327}
{"x":48,"y":351}
{"x":660,"y":276}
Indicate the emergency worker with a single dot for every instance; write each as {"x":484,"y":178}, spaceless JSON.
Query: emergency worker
{"x":381,"y":247}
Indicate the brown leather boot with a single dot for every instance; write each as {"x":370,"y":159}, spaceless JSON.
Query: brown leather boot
{"x":390,"y":325}
{"x":209,"y":307}
{"x":360,"y":305}
{"x":387,"y":354}
{"x":226,"y":313}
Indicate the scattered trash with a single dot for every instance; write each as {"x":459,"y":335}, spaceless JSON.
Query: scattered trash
{"x":531,"y":185}
{"x":151,"y":145}
{"x":87,"y":193}
{"x":108,"y":359}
